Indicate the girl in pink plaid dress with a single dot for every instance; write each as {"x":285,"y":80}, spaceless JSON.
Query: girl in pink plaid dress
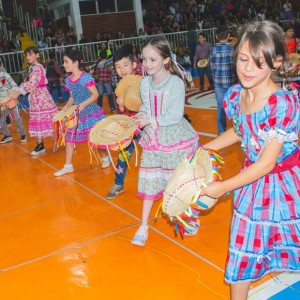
{"x":42,"y":107}
{"x":265,"y":229}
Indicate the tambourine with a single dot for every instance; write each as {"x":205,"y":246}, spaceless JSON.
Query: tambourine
{"x":202,"y":63}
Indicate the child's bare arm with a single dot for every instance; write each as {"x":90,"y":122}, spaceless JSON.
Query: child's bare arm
{"x":255,"y":171}
{"x":70,"y":102}
{"x":226,"y":139}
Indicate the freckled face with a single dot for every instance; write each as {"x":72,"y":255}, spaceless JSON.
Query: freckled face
{"x":153,"y":62}
{"x":249,"y":73}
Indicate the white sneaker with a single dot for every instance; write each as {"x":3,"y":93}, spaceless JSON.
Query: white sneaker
{"x":140,"y":236}
{"x":105,"y":162}
{"x":68,"y":168}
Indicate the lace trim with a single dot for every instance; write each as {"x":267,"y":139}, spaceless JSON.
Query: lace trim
{"x":281,"y":135}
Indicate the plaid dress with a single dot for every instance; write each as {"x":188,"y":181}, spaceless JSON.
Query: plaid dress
{"x":265,"y":229}
{"x":91,"y":114}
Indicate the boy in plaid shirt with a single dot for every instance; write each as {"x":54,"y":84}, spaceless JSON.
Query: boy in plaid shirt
{"x":104,"y":77}
{"x":223,"y":71}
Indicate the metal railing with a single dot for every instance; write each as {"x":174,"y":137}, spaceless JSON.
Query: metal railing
{"x":13,"y":62}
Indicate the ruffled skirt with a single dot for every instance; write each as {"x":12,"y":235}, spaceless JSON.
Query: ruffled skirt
{"x":86,"y":121}
{"x":163,"y":149}
{"x":265,"y":229}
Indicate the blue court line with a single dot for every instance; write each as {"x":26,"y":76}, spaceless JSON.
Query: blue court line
{"x":289,"y":293}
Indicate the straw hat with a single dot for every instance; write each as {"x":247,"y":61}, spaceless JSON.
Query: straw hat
{"x":294,"y":58}
{"x":4,"y":101}
{"x":129,"y":89}
{"x":202,"y":63}
{"x":11,"y":103}
{"x":113,"y":132}
{"x":132,"y":98}
{"x":70,"y":116}
{"x":181,"y":200}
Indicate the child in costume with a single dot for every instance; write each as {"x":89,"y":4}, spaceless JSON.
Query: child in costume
{"x":124,"y":66}
{"x":41,"y":105}
{"x":167,"y":136}
{"x":83,"y":92}
{"x":7,"y":83}
{"x":266,"y":219}
{"x":291,"y":41}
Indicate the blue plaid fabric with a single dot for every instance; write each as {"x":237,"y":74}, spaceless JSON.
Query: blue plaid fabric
{"x":265,"y":228}
{"x":222,"y":65}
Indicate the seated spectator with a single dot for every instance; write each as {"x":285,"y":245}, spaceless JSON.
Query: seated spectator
{"x":104,"y":46}
{"x":50,"y":37}
{"x":41,"y":30}
{"x":37,"y":20}
{"x":60,"y":50}
{"x":59,"y":35}
{"x":136,"y":54}
{"x":54,"y":75}
{"x":287,"y":10}
{"x":15,"y":45}
{"x":47,"y":15}
{"x":16,"y":24}
{"x":41,"y":43}
{"x":71,"y":34}
{"x":182,"y":54}
{"x":105,"y":36}
{"x":82,"y":40}
{"x":96,"y":42}
{"x":69,"y":41}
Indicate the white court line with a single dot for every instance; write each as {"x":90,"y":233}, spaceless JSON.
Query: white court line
{"x":273,"y":286}
{"x":121,"y":209}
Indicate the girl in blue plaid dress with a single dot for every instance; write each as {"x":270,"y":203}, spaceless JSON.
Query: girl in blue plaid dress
{"x":83,"y":92}
{"x":265,"y":229}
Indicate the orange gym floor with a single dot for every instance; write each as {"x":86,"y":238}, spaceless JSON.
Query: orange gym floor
{"x":61,"y":239}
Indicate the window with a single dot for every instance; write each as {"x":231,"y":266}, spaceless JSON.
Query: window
{"x":106,"y":6}
{"x":125,"y":5}
{"x":87,"y":7}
